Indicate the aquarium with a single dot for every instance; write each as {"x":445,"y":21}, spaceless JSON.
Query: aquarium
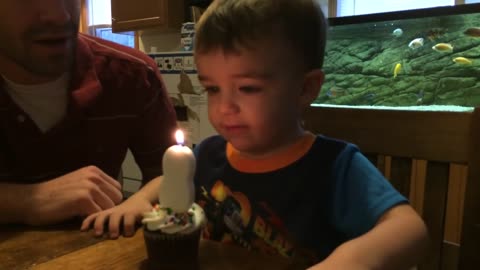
{"x":422,"y":58}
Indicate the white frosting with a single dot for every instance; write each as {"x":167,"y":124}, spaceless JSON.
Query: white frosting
{"x":170,"y":222}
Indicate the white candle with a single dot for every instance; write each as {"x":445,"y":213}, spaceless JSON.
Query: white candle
{"x":177,"y":189}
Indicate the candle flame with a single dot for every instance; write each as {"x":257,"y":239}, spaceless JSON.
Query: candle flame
{"x":180,"y":137}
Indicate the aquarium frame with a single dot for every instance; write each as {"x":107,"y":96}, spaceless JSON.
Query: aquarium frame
{"x":406,"y":14}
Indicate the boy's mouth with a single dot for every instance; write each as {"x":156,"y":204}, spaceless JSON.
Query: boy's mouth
{"x":234,"y":128}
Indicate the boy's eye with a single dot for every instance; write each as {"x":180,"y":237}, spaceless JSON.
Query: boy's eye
{"x":250,"y":89}
{"x":211,"y":89}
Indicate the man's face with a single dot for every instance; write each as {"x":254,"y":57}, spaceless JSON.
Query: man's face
{"x":38,"y":38}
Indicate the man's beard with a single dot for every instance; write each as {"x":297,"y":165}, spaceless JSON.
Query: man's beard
{"x":54,"y":65}
{"x":45,"y":50}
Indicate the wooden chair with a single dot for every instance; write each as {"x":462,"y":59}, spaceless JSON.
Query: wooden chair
{"x":433,"y":158}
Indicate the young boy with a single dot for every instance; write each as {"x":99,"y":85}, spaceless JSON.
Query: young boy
{"x":266,"y":183}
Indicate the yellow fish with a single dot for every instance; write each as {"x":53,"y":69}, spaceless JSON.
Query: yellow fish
{"x":396,"y":70}
{"x":462,"y":60}
{"x":443,"y":47}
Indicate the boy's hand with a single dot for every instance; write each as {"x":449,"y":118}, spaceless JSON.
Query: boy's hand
{"x":122,"y":217}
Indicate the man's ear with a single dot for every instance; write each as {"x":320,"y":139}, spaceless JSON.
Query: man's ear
{"x":312,"y":84}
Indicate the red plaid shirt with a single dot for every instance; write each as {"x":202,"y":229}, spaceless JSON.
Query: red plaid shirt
{"x":117,"y":101}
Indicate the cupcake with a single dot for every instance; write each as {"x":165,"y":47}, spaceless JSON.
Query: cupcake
{"x":172,"y":228}
{"x":171,"y":238}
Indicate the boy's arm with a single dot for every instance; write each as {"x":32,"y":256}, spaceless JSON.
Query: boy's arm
{"x":124,"y":216}
{"x":150,"y":190}
{"x":398,"y":241}
{"x":384,"y":231}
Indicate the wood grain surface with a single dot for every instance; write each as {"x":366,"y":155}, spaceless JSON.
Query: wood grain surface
{"x":65,"y":247}
{"x":22,"y":247}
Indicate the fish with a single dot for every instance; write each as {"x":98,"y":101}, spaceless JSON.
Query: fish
{"x":420,"y":96}
{"x":462,"y":60}
{"x":369,"y":97}
{"x":443,"y":47}
{"x":336,"y":91}
{"x":396,"y":70}
{"x":435,"y":33}
{"x":416,"y":43}
{"x":473,"y":32}
{"x":397,"y":32}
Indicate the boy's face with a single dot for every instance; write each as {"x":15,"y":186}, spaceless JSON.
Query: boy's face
{"x":254,"y":95}
{"x":38,"y":38}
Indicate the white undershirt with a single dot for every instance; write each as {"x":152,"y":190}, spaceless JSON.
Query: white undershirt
{"x":46,"y":103}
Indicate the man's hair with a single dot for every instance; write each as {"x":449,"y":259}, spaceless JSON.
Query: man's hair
{"x":233,"y":24}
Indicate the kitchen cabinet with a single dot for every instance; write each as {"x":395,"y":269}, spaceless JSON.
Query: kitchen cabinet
{"x":128,"y":15}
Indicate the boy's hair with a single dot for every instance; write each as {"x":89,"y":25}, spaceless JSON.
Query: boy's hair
{"x":232,"y":24}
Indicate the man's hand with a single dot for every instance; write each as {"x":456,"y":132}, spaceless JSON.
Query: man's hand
{"x":80,"y":193}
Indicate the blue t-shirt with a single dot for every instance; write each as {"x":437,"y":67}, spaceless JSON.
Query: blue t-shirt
{"x":302,"y":203}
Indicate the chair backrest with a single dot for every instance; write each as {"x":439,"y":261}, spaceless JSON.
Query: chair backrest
{"x":433,"y":158}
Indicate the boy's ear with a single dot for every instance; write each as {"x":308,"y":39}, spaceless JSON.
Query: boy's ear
{"x":311,"y":86}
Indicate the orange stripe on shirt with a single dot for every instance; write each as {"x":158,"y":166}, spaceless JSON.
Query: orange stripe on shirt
{"x":274,"y":162}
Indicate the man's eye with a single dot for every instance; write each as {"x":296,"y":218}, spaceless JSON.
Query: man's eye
{"x":250,"y":89}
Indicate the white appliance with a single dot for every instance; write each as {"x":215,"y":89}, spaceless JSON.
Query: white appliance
{"x":180,"y":77}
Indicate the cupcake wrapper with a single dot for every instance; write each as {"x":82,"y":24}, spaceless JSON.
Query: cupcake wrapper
{"x":172,"y":250}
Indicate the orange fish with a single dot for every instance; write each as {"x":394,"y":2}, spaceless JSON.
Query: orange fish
{"x":336,"y":91}
{"x":435,"y":33}
{"x":473,"y":32}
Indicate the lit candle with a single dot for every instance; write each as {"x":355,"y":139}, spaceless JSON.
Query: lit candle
{"x":177,"y":189}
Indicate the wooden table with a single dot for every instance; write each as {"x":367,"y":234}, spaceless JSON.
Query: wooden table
{"x":65,"y":247}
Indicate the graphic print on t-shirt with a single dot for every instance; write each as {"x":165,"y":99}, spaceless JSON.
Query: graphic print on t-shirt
{"x":233,"y":219}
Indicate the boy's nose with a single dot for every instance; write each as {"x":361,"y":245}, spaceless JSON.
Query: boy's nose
{"x":228,"y":104}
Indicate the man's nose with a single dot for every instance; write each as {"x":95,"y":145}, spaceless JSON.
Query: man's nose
{"x":56,"y":12}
